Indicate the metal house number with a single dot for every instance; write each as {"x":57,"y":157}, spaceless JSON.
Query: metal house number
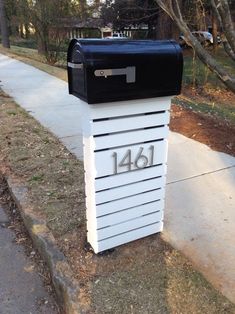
{"x":131,"y":162}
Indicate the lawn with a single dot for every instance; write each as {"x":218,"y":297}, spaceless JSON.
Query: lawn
{"x":196,"y":72}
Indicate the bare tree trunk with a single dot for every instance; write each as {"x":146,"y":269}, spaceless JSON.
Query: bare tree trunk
{"x":200,"y":15}
{"x":228,"y":49}
{"x":83,"y":10}
{"x":27,"y":32}
{"x":21,"y":30}
{"x":42,"y":45}
{"x":214,"y":31}
{"x":173,"y":10}
{"x":226,"y":45}
{"x":3,"y":25}
{"x":166,"y":28}
{"x":228,"y":26}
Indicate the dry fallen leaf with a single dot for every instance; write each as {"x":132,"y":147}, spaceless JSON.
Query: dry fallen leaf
{"x":29,"y":269}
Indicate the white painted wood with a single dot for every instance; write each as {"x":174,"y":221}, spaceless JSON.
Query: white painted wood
{"x":127,"y":237}
{"x":89,"y":159}
{"x":130,"y":213}
{"x":131,"y":201}
{"x":130,"y":123}
{"x":129,"y":177}
{"x":131,"y":137}
{"x":104,"y":160}
{"x":127,"y":205}
{"x":130,"y":189}
{"x":128,"y":225}
{"x":126,"y":108}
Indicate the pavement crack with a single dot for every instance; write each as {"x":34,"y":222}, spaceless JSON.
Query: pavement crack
{"x":200,"y":175}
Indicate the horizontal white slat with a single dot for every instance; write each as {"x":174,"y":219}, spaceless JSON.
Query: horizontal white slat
{"x":122,"y":108}
{"x":126,"y":237}
{"x":132,"y":137}
{"x":129,"y":177}
{"x":131,"y":201}
{"x":130,"y":123}
{"x":128,"y":225}
{"x":130,"y":189}
{"x":131,"y":213}
{"x":104,"y":160}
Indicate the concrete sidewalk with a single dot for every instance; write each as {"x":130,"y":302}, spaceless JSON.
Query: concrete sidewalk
{"x":45,"y":98}
{"x":200,"y":199}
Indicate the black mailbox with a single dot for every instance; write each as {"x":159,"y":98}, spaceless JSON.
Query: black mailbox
{"x":103,"y":70}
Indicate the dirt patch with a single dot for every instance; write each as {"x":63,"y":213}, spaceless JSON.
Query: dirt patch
{"x":145,"y":276}
{"x":206,"y":115}
{"x":53,"y":176}
{"x":212,"y":102}
{"x":218,"y":134}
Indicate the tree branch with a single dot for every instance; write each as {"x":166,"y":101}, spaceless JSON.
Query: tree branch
{"x":164,"y":8}
{"x":201,"y":52}
{"x":227,"y":23}
{"x":4,"y":26}
{"x":225,"y":43}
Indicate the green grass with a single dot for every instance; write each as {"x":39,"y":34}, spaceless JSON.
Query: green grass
{"x":31,"y":57}
{"x":37,"y":177}
{"x":27,"y":52}
{"x":34,"y":55}
{"x":196,"y":70}
{"x":196,"y":74}
{"x":224,"y":111}
{"x":24,"y":43}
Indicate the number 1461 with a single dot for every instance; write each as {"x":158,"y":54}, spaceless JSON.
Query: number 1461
{"x":131,"y":161}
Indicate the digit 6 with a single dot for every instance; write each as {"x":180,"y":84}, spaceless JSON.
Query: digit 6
{"x":141,"y":159}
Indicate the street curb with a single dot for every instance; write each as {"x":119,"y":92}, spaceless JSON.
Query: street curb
{"x":66,"y":287}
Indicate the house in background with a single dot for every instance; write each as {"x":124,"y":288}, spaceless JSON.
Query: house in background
{"x":94,"y":27}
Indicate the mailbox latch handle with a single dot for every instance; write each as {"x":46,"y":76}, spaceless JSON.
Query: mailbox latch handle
{"x":75,"y":65}
{"x":128,"y":71}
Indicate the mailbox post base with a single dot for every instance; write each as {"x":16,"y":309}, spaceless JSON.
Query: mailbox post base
{"x":125,"y":156}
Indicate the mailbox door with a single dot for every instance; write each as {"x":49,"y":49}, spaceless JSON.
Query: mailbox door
{"x":77,"y":73}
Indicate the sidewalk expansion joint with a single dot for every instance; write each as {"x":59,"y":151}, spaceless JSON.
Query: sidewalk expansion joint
{"x":68,"y":136}
{"x":200,"y":175}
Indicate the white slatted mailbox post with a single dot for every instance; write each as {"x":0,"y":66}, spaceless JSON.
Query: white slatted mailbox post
{"x":125,"y":90}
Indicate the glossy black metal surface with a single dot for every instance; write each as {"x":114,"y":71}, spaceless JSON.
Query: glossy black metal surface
{"x":151,"y":69}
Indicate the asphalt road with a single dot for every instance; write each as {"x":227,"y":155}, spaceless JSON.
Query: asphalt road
{"x":21,"y":288}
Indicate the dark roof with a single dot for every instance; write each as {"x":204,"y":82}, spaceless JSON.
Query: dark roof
{"x":74,"y":22}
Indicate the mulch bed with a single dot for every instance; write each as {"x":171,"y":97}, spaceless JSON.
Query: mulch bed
{"x":218,"y":134}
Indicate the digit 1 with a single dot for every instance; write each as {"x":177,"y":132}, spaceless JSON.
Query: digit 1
{"x":151,"y":148}
{"x":115,"y":163}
